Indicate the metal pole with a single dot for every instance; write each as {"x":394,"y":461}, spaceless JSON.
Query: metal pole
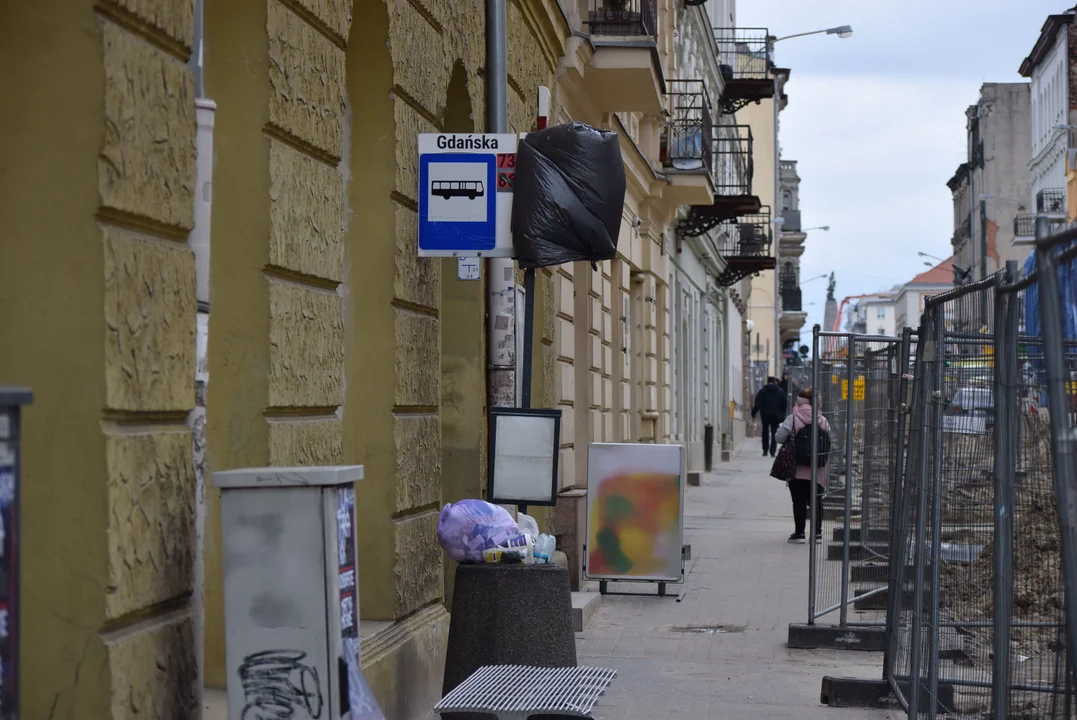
{"x":849,"y":362}
{"x":929,"y":354}
{"x":936,"y":513}
{"x":898,"y":506}
{"x":501,"y":272}
{"x":812,"y":551}
{"x":195,"y":62}
{"x":1062,"y":436}
{"x":529,"y":335}
{"x":1005,"y":387}
{"x":983,"y":260}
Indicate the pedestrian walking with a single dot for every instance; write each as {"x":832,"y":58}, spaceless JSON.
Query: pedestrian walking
{"x":796,"y":430}
{"x":770,"y":406}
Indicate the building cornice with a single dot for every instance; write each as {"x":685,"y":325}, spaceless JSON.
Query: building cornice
{"x":1044,"y":43}
{"x":549,"y":23}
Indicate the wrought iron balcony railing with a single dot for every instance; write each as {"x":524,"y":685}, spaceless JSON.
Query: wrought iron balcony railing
{"x":791,"y":299}
{"x":747,"y":236}
{"x":745,"y":244}
{"x":688,"y":140}
{"x":1024,"y":225}
{"x":744,"y":57}
{"x":1051,"y":200}
{"x":743,"y":53}
{"x":792,"y":221}
{"x":733,"y":146}
{"x":623,"y":18}
{"x":732,"y":169}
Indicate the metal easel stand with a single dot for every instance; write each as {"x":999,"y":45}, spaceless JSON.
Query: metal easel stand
{"x":603,"y":585}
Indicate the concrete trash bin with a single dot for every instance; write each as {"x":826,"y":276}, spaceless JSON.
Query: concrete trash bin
{"x":508,"y":615}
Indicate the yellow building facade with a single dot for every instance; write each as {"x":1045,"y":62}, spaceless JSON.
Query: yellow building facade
{"x":330,"y":342}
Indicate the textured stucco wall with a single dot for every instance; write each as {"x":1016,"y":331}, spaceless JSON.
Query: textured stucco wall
{"x":98,"y":315}
{"x":332,"y":341}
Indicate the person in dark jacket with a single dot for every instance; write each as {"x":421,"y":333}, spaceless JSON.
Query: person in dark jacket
{"x":770,"y":405}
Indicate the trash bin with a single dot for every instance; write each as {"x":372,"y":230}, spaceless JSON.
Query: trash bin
{"x":11,"y":401}
{"x":291,"y":602}
{"x":508,"y":615}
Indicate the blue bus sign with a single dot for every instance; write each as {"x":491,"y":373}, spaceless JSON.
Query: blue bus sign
{"x":465,"y":194}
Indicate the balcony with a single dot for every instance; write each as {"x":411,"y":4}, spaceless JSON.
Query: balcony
{"x":744,"y":58}
{"x":745,"y":244}
{"x":791,"y":299}
{"x":1024,"y":227}
{"x":792,"y":318}
{"x":624,"y":73}
{"x":687,"y":144}
{"x":731,"y":174}
{"x":792,"y":221}
{"x":1051,"y":201}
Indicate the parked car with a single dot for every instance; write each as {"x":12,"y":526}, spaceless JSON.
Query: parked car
{"x":972,"y":403}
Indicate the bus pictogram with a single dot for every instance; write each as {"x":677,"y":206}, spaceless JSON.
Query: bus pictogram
{"x":470,"y":189}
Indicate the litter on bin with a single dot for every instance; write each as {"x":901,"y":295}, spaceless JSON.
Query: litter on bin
{"x":469,"y":527}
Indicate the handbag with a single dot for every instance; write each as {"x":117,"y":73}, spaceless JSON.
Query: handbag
{"x":785,"y":461}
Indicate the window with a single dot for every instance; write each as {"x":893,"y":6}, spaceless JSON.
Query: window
{"x":880,"y":312}
{"x":787,"y":200}
{"x":882,"y":331}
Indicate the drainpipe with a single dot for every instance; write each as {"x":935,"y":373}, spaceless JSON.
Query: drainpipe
{"x":199,"y":243}
{"x":776,"y":229}
{"x":972,"y":170}
{"x":501,"y":272}
{"x":198,"y":240}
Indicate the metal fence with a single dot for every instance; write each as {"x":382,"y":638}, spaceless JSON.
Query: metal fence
{"x":976,"y":621}
{"x":858,"y":389}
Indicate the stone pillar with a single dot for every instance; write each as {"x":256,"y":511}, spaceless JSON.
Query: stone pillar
{"x":277,"y":341}
{"x":98,"y":317}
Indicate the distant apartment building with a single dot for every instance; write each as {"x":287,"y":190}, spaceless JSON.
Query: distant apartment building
{"x":764,"y":309}
{"x":791,"y":239}
{"x":1049,"y":67}
{"x":873,"y":315}
{"x":991,"y":189}
{"x":909,"y":300}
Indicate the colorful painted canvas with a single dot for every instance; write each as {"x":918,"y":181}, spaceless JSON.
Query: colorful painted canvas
{"x":635,"y":513}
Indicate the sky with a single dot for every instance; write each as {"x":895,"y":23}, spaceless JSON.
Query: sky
{"x":876,"y":122}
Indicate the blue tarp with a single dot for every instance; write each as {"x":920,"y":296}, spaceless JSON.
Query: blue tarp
{"x":1067,"y":280}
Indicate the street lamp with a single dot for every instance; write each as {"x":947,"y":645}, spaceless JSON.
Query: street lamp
{"x":817,"y":277}
{"x":842,"y":31}
{"x":924,"y":254}
{"x":824,"y":228}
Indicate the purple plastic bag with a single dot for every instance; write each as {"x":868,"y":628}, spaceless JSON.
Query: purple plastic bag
{"x":468,"y":527}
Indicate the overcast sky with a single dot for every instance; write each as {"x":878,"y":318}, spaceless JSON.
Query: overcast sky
{"x":877,"y":123}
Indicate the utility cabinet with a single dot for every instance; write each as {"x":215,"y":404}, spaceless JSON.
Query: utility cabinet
{"x":291,"y":601}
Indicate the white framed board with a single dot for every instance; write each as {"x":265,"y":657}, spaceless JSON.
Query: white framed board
{"x":635,"y":512}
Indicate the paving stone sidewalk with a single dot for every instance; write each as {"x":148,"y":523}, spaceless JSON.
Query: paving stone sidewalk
{"x":721,"y":652}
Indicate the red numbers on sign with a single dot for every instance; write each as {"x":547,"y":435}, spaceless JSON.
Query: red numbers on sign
{"x":506,"y":161}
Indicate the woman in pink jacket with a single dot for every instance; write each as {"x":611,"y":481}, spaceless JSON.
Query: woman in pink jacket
{"x":800,"y":489}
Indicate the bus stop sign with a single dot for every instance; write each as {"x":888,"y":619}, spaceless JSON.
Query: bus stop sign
{"x":465,"y":194}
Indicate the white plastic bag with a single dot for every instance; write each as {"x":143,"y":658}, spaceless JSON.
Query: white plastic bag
{"x":528,"y":525}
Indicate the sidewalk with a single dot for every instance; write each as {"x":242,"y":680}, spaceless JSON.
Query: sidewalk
{"x":721,"y":653}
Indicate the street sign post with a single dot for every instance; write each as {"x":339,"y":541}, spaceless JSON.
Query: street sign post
{"x":465,"y":194}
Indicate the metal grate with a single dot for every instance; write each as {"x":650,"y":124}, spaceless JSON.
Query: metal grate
{"x":514,"y":692}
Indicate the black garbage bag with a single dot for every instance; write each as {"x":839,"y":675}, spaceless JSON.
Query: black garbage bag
{"x":568,"y":196}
